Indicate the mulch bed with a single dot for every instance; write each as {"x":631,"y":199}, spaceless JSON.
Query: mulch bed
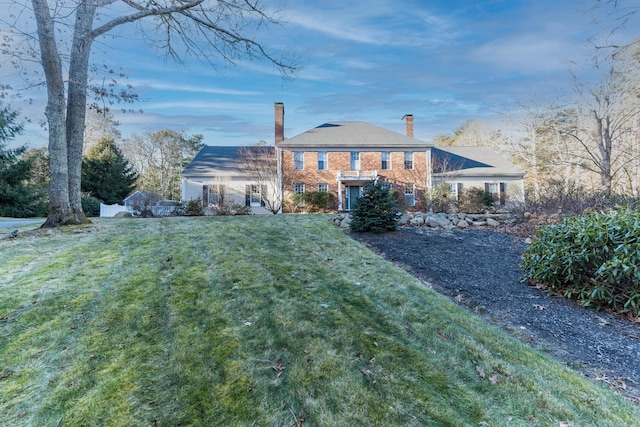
{"x":480,"y":270}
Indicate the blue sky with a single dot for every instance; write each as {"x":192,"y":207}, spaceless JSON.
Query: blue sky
{"x":444,"y":61}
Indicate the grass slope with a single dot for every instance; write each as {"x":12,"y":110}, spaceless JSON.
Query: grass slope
{"x":278,"y":321}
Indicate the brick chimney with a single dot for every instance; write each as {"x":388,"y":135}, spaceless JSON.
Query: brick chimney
{"x":279,"y":122}
{"x":409,"y":119}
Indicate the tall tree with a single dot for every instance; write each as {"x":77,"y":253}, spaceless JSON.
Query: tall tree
{"x":159,"y":158}
{"x":540,"y":144}
{"x":17,"y":198}
{"x":472,"y":134}
{"x":106,"y":174}
{"x":610,"y":114}
{"x":207,"y":29}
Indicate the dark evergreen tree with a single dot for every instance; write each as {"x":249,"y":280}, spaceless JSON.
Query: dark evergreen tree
{"x":376,"y":210}
{"x":106,"y":174}
{"x":17,"y":198}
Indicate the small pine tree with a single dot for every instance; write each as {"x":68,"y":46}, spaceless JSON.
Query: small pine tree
{"x":376,"y":210}
{"x":194,"y":207}
{"x":106,"y":174}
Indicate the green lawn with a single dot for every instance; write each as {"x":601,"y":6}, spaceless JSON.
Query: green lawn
{"x":257,"y":321}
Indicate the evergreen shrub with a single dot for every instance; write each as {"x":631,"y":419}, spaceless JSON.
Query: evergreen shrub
{"x":376,"y":210}
{"x":593,"y":258}
{"x":90,"y":205}
{"x":194,"y":207}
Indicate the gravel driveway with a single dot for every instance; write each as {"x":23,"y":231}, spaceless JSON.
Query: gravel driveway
{"x":480,"y":270}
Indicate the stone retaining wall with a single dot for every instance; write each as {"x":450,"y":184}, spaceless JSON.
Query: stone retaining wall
{"x":441,"y":220}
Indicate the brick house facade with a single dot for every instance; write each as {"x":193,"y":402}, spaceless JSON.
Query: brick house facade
{"x":341,"y":157}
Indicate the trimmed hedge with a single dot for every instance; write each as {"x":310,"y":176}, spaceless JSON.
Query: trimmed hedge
{"x":593,"y":258}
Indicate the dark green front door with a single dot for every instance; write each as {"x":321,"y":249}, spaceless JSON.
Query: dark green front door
{"x":353,"y":192}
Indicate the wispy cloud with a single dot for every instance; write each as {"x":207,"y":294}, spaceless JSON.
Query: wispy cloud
{"x":177,"y":87}
{"x":372,"y":22}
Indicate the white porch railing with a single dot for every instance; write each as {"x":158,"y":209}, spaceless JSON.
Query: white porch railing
{"x":357,"y":176}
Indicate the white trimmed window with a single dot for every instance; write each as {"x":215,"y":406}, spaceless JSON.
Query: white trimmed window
{"x":355,"y":161}
{"x":323,"y":188}
{"x":322,"y":161}
{"x":298,"y":160}
{"x":298,"y":188}
{"x":386,"y":160}
{"x":455,"y":189}
{"x":409,"y":195}
{"x":408,"y":160}
{"x":493,"y":188}
{"x":212,"y":194}
{"x":498,"y":191}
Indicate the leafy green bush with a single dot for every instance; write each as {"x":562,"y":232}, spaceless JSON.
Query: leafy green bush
{"x":315,"y":201}
{"x":194,"y":207}
{"x":593,"y":258}
{"x":90,"y":205}
{"x":376,"y":210}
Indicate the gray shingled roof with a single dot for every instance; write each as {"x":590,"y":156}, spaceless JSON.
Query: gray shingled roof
{"x":472,"y":161}
{"x":216,"y":160}
{"x":351,"y":135}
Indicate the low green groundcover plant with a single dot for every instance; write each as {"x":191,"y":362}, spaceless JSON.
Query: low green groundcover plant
{"x":593,"y":258}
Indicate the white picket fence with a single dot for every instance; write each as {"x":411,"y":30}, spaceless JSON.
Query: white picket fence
{"x":108,"y":211}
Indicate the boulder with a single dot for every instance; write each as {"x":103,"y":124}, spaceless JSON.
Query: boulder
{"x":345,"y":222}
{"x":418,"y":220}
{"x":492,"y":222}
{"x":443,"y":221}
{"x":123,"y":214}
{"x":462,"y":223}
{"x":404,"y":219}
{"x":430,"y":221}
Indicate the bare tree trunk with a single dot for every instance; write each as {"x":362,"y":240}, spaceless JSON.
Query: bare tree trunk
{"x":59,"y":208}
{"x":605,"y":146}
{"x":77,"y":101}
